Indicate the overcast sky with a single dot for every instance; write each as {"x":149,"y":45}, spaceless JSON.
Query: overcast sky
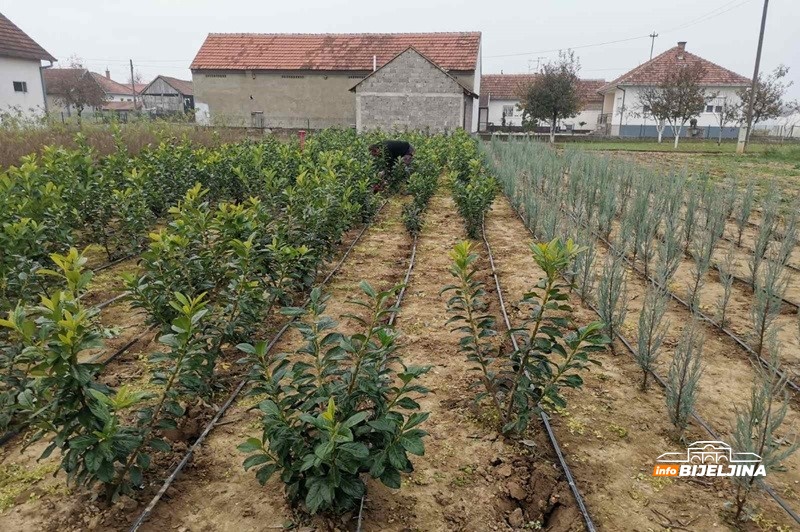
{"x":162,"y":36}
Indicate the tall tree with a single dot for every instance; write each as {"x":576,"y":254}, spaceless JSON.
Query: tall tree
{"x":553,"y":94}
{"x":77,"y":88}
{"x":678,"y":98}
{"x":769,"y":96}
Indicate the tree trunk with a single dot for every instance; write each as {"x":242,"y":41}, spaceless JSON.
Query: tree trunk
{"x":719,"y":139}
{"x":553,"y":129}
{"x":677,"y":137}
{"x":660,"y":134}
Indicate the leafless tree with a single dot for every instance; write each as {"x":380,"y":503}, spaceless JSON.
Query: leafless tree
{"x":678,"y":98}
{"x":77,"y":88}
{"x":769,"y":96}
{"x":727,"y":112}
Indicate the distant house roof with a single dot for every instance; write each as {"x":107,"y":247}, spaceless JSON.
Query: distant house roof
{"x":332,"y":51}
{"x":466,"y":89}
{"x":15,"y":43}
{"x":655,"y":70}
{"x":111,"y":86}
{"x":139,"y":87}
{"x":57,"y":78}
{"x":508,"y":86}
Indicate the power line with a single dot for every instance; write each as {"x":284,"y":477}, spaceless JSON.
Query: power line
{"x":721,"y":10}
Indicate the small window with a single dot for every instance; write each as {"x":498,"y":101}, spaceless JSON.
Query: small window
{"x":646,"y":109}
{"x":709,"y":108}
{"x":508,"y":110}
{"x":718,"y":109}
{"x":20,"y":86}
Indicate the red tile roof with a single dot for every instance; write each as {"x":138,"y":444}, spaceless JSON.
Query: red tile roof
{"x":139,"y":87}
{"x":332,"y":51}
{"x":654,"y":71}
{"x":507,"y":86}
{"x":111,"y":86}
{"x":15,"y":43}
{"x":57,"y":78}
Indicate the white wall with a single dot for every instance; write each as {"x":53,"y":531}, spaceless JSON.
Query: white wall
{"x":476,"y":88}
{"x":12,"y":69}
{"x":633,"y":115}
{"x":589,"y":116}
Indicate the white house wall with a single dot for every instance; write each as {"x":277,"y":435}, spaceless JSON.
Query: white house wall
{"x":589,"y":116}
{"x":31,"y":103}
{"x":633,"y":114}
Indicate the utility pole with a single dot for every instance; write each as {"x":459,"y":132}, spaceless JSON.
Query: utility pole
{"x":133,"y":85}
{"x":652,"y":42}
{"x":744,"y":133}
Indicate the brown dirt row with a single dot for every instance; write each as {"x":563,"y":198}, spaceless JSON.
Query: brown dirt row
{"x":470,"y":478}
{"x":214,"y":492}
{"x":34,"y":495}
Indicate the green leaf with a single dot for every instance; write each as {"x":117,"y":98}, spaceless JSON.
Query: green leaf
{"x":254,"y":460}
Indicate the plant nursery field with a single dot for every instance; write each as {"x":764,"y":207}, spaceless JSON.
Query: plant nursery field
{"x":259,"y":335}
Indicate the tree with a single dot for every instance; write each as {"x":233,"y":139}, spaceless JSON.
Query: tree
{"x":137,"y":78}
{"x":553,"y":95}
{"x":769,"y":96}
{"x":76,"y":87}
{"x":678,"y":98}
{"x":730,"y":112}
{"x":652,"y":104}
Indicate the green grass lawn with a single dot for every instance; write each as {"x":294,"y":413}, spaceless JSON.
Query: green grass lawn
{"x":790,"y":151}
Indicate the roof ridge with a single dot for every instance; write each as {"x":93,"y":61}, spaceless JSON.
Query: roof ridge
{"x":470,"y":32}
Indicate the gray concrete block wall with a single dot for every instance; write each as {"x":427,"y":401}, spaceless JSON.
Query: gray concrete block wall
{"x":410,"y":93}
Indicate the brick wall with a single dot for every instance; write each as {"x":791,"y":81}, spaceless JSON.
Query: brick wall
{"x":410,"y":93}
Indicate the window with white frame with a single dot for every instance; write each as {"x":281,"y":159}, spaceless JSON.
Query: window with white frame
{"x":20,"y":86}
{"x":508,"y":110}
{"x":709,"y":108}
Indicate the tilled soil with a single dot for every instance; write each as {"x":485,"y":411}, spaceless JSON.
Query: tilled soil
{"x":725,"y":383}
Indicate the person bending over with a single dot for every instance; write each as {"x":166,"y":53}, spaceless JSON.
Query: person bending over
{"x":390,"y":151}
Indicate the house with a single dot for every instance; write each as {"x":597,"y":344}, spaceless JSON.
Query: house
{"x":21,"y":82}
{"x":304,"y":80}
{"x":414,"y":93}
{"x":118,"y":98}
{"x":500,"y":98}
{"x":625,"y":115}
{"x":166,"y":95}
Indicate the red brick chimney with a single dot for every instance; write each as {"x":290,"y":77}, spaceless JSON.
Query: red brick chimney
{"x":682,"y":45}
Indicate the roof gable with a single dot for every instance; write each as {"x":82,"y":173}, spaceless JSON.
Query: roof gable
{"x":111,"y":86}
{"x":654,"y":71}
{"x":15,"y":43}
{"x":507,"y":87}
{"x":412,"y":50}
{"x":185,"y":88}
{"x":332,"y":51}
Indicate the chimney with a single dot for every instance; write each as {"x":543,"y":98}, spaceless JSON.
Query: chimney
{"x":108,"y":73}
{"x":682,"y":45}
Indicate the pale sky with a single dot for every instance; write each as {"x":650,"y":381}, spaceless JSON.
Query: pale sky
{"x":162,"y":36}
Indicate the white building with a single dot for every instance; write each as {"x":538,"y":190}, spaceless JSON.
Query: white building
{"x":21,"y":84}
{"x":500,"y":98}
{"x":625,"y":115}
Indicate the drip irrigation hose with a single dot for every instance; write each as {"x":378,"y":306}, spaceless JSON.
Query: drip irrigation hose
{"x":545,"y":419}
{"x":702,"y":422}
{"x":114,"y":262}
{"x":114,"y":299}
{"x":751,"y":250}
{"x":232,"y":397}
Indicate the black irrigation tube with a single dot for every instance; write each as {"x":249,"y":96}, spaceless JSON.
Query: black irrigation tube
{"x":702,"y":422}
{"x":545,"y":419}
{"x":114,"y":262}
{"x":232,"y":397}
{"x":751,"y":250}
